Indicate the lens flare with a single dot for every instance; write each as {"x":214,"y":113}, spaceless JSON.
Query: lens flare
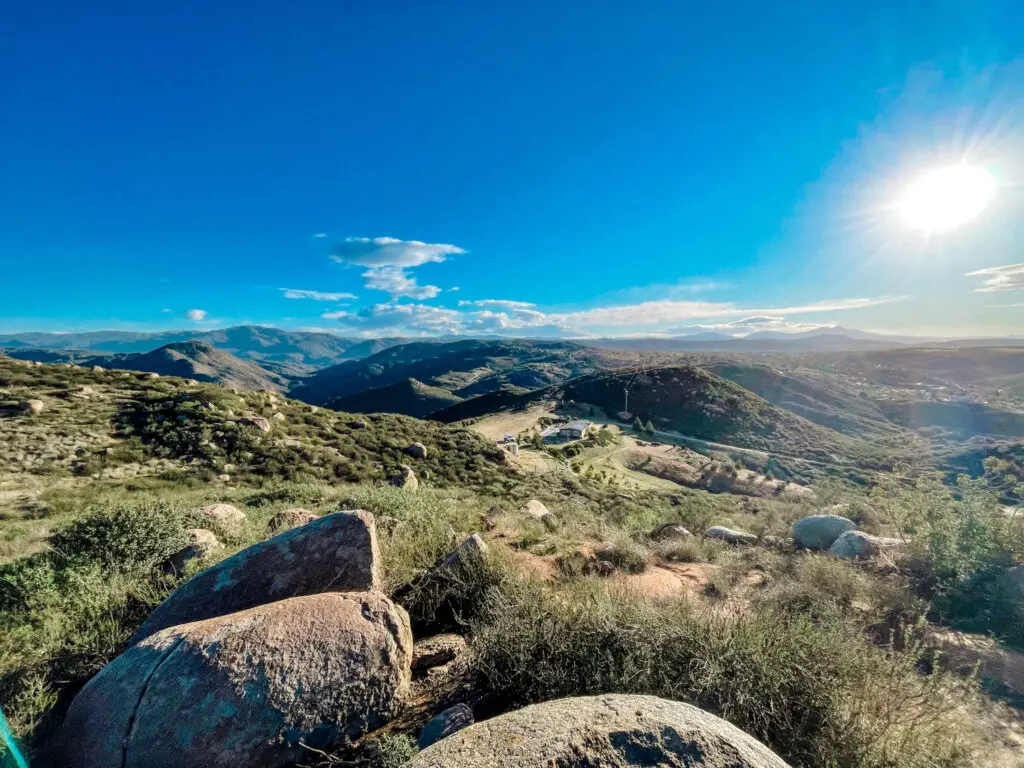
{"x":946,"y":198}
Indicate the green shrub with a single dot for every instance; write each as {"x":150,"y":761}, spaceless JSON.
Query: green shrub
{"x":125,"y":536}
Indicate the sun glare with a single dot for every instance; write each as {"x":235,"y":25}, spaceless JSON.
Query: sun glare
{"x":947,"y":197}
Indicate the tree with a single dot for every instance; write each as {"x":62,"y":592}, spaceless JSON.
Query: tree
{"x":638,"y":425}
{"x":649,"y":427}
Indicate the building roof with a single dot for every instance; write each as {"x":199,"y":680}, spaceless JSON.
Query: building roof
{"x":578,"y":426}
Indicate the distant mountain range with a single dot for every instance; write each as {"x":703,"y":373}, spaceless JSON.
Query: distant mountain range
{"x":288,"y":352}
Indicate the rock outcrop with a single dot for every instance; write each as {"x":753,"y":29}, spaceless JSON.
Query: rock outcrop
{"x":819,"y":532}
{"x":34,"y":407}
{"x":730,"y":535}
{"x":614,"y":731}
{"x":337,"y":553}
{"x":261,"y":423}
{"x":245,"y":689}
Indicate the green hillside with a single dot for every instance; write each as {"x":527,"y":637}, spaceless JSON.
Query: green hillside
{"x":410,"y":397}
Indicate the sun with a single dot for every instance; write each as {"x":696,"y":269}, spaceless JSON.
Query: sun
{"x":945,"y":198}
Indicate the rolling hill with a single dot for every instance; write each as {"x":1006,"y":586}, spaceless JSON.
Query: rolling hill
{"x":409,"y":397}
{"x":469,"y":367}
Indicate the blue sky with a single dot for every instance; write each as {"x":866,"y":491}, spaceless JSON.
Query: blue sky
{"x":531,"y":168}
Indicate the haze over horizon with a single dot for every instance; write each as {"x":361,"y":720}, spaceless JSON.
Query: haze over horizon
{"x":588,"y":170}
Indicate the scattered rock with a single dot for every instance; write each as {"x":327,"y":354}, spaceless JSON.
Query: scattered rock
{"x":405,"y":479}
{"x":417,"y":451}
{"x":150,"y":376}
{"x":262,"y":424}
{"x":226,"y":517}
{"x":98,"y":369}
{"x":357,"y":424}
{"x":224,"y":478}
{"x":614,"y":731}
{"x":819,"y":532}
{"x":438,"y":651}
{"x":291,"y":518}
{"x":490,"y":519}
{"x":471,"y":550}
{"x":246,"y":688}
{"x":538,"y":511}
{"x":854,"y":545}
{"x":85,"y":392}
{"x":729,"y":535}
{"x":338,"y":552}
{"x":445,"y":724}
{"x":32,"y":406}
{"x":279,"y":416}
{"x":670,"y":531}
{"x":201,"y":544}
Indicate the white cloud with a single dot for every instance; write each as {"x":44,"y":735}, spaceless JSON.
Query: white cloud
{"x":391,"y":252}
{"x":320,"y":236}
{"x":502,"y":303}
{"x":505,"y":317}
{"x":669,"y":311}
{"x":295,"y":293}
{"x":454,"y":288}
{"x":1006,"y":278}
{"x":166,"y":310}
{"x":196,"y":315}
{"x":398,"y":283}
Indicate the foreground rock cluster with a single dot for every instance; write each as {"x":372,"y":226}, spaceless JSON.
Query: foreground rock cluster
{"x":286,"y":645}
{"x":290,"y":646}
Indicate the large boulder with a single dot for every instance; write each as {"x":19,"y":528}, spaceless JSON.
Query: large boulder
{"x":224,"y":517}
{"x":729,"y":535}
{"x":819,"y":532}
{"x":857,"y":545}
{"x":245,"y":689}
{"x":336,"y":553}
{"x":614,"y":731}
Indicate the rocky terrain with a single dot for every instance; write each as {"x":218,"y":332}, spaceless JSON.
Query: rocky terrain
{"x":183,"y":564}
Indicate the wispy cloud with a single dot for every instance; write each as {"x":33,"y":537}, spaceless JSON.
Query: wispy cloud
{"x":196,"y":315}
{"x":398,"y":283}
{"x":295,"y":293}
{"x":501,"y":303}
{"x":391,"y":252}
{"x":1006,"y":278}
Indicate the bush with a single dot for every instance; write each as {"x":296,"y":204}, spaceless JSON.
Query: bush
{"x":124,"y":537}
{"x":817,"y":693}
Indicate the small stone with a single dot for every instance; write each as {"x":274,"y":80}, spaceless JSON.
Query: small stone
{"x":262,"y":424}
{"x":448,"y":722}
{"x":202,"y":543}
{"x":405,"y":479}
{"x":671,"y":531}
{"x":32,"y":406}
{"x":730,"y":535}
{"x":417,"y":451}
{"x":291,"y":518}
